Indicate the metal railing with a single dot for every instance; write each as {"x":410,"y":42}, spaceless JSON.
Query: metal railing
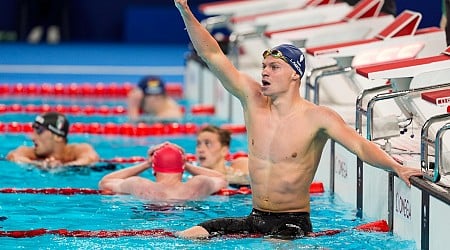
{"x":432,"y":173}
{"x":385,"y":96}
{"x":359,"y":102}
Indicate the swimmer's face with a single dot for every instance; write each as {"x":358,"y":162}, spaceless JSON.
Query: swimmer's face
{"x":210,"y":152}
{"x":276,"y":76}
{"x":150,"y":103}
{"x":44,"y":142}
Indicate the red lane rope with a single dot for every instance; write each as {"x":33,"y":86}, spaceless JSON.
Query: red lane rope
{"x":86,"y":233}
{"x":133,"y":159}
{"x":66,"y":109}
{"x":125,"y":129}
{"x":80,"y":89}
{"x":198,"y":109}
{"x":376,"y":226}
{"x":72,"y":191}
{"x":63,"y":191}
{"x":87,"y":191}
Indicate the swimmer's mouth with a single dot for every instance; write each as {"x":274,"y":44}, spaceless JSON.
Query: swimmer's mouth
{"x":265,"y":83}
{"x":201,"y":158}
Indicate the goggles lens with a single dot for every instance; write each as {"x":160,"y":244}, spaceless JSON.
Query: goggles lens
{"x":38,"y":128}
{"x":274,"y":53}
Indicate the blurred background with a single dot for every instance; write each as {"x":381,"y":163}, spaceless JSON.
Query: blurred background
{"x":125,"y":21}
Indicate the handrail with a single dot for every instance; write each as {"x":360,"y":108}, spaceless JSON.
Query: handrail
{"x":325,"y":73}
{"x":425,"y":141}
{"x":359,"y":100}
{"x":215,"y":22}
{"x":309,"y":75}
{"x":385,"y":96}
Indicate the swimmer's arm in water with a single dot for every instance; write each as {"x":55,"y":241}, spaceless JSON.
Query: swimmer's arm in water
{"x":203,"y":171}
{"x":85,"y":155}
{"x":210,"y":180}
{"x":112,"y":181}
{"x":24,"y":155}
{"x":134,"y":99}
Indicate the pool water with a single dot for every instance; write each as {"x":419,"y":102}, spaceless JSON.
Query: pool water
{"x":123,"y":212}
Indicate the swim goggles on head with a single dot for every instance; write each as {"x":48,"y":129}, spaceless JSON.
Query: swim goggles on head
{"x":38,"y":128}
{"x":274,"y":53}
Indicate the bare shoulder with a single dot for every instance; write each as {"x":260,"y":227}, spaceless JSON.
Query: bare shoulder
{"x":322,"y":113}
{"x":201,"y":182}
{"x":23,"y":151}
{"x":198,"y":180}
{"x":80,"y":148}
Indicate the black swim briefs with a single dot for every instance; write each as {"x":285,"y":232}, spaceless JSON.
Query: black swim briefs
{"x":280,"y":225}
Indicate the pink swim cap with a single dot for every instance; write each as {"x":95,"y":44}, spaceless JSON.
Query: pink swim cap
{"x":168,"y":159}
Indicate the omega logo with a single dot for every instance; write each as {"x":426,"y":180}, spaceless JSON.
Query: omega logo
{"x":341,"y":168}
{"x":402,"y":206}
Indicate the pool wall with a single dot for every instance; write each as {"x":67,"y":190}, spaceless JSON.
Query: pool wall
{"x":418,"y":213}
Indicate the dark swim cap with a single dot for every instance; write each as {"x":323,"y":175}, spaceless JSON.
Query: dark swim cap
{"x":55,"y":122}
{"x":293,"y":56}
{"x":152,"y":85}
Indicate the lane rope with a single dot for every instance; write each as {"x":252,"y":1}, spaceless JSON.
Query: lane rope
{"x":124,"y":129}
{"x":89,"y":191}
{"x":137,"y":159}
{"x":196,"y":109}
{"x":316,"y":187}
{"x":376,"y":226}
{"x":87,"y":89}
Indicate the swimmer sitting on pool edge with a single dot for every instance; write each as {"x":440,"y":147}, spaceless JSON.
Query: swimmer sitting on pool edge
{"x":168,"y":163}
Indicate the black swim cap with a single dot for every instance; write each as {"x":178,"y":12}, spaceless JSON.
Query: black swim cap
{"x":55,"y":122}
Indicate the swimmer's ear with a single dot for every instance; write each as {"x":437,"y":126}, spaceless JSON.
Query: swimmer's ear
{"x":295,"y":76}
{"x":58,"y":138}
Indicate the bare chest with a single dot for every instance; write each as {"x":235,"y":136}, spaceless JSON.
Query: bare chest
{"x":281,"y":140}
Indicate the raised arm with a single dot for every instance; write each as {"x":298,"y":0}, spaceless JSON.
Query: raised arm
{"x":209,"y":50}
{"x":203,"y":171}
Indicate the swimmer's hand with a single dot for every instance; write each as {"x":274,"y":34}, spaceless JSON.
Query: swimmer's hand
{"x":180,"y":3}
{"x":405,"y":173}
{"x":49,"y":163}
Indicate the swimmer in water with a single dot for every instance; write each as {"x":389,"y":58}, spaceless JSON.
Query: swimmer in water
{"x":167,"y":161}
{"x":286,"y":137}
{"x":213,"y":147}
{"x":149,"y":102}
{"x":51,"y":148}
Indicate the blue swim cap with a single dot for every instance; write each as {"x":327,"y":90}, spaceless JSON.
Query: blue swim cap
{"x":293,"y":56}
{"x":152,"y":85}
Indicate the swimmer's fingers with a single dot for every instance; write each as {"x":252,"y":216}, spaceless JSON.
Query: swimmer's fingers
{"x":152,"y":149}
{"x":407,"y":172}
{"x":180,"y":148}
